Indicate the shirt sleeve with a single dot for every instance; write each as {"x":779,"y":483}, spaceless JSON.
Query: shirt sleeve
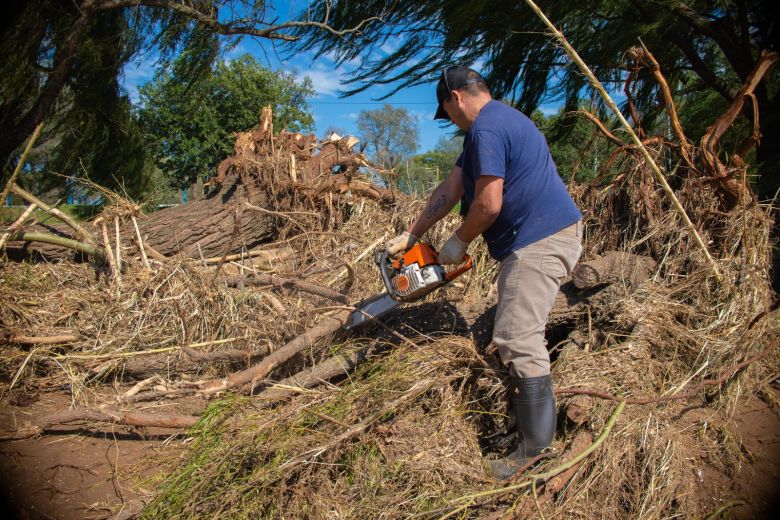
{"x":459,"y":162}
{"x":489,"y":157}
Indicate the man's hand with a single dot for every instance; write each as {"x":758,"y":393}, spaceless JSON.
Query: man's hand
{"x":397,"y":246}
{"x":453,"y":251}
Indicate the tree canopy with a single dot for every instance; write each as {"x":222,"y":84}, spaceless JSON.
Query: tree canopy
{"x":190,"y":127}
{"x":62,"y":60}
{"x":390,"y":133}
{"x":702,"y":46}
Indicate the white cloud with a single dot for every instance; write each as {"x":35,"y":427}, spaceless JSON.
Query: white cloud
{"x":352,"y":115}
{"x":325,"y":80}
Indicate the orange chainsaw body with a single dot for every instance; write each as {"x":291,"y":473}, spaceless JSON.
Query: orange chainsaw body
{"x":417,"y":272}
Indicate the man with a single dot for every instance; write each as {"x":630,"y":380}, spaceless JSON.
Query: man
{"x":514,"y":197}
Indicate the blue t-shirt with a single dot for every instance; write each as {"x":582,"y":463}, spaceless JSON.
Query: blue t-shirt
{"x":503,"y":142}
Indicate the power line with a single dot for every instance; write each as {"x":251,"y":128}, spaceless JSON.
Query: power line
{"x":368,"y":103}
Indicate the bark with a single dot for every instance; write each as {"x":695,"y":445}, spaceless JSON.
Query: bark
{"x":249,"y":179}
{"x":104,"y":416}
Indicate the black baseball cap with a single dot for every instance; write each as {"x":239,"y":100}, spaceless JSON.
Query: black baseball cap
{"x":453,"y":78}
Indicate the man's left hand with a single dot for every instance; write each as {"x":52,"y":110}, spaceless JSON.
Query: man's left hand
{"x":453,"y":251}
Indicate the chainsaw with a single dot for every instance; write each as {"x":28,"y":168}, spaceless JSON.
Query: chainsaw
{"x":407,"y":279}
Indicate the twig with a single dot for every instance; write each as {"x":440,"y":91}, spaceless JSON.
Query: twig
{"x":109,"y":253}
{"x":146,"y":352}
{"x":9,"y":185}
{"x":645,"y":153}
{"x":301,"y":285}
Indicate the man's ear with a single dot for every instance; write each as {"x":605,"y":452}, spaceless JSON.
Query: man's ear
{"x":457,"y":96}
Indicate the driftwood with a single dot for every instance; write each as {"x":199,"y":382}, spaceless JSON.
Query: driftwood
{"x":104,"y":416}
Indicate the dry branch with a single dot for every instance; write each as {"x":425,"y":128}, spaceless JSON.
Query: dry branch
{"x":257,"y":372}
{"x":19,"y":339}
{"x":20,"y":163}
{"x":17,"y":223}
{"x":104,"y":416}
{"x":291,"y":283}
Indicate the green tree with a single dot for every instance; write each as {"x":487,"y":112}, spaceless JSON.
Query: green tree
{"x":426,"y":170}
{"x":391,"y":134}
{"x":61,"y":61}
{"x":701,"y":45}
{"x":189,"y":127}
{"x":577,"y":148}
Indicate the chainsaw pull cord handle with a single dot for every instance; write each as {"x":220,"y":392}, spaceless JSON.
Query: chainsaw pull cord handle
{"x":467,"y":264}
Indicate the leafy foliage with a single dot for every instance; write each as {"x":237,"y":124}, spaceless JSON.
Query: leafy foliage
{"x":701,"y":45}
{"x":426,"y":170}
{"x":390,"y":133}
{"x":190,"y":126}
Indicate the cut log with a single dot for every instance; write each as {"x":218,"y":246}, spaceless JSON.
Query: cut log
{"x":612,"y":267}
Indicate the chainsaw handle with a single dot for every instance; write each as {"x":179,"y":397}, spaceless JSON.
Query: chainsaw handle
{"x":467,"y":264}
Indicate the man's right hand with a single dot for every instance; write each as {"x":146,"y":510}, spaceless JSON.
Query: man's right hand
{"x":397,"y":246}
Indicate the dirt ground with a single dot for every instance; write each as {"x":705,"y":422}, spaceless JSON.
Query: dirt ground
{"x":79,"y":473}
{"x":83,"y":473}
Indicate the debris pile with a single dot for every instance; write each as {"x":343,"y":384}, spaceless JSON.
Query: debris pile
{"x":229,"y":332}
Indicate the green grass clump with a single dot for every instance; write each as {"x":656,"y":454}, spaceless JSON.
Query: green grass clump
{"x":301,"y":460}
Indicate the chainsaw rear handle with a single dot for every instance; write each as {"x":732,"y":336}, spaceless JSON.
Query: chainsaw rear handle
{"x":467,"y":264}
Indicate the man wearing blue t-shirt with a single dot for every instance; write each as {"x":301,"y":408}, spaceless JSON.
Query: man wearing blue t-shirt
{"x":512,"y":196}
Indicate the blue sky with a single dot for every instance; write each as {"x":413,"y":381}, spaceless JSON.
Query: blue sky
{"x":328,"y":108}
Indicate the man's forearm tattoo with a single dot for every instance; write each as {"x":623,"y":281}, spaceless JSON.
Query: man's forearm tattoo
{"x":435,"y":205}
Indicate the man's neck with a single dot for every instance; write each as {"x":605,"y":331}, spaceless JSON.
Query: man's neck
{"x":477,"y":103}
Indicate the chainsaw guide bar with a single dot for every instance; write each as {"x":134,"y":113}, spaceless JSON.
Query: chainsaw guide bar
{"x":407,"y":279}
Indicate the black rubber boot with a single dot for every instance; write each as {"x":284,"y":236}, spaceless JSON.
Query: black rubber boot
{"x":534,"y":405}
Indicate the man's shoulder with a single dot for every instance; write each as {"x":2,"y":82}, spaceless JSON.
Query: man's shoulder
{"x":496,"y":114}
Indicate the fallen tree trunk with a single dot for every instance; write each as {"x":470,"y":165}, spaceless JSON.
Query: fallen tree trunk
{"x":307,"y":193}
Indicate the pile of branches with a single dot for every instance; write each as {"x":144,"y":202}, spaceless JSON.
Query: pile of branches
{"x":293,"y":416}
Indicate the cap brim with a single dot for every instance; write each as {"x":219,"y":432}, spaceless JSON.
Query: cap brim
{"x":441,"y":113}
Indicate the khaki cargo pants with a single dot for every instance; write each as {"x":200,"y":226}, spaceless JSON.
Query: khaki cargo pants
{"x":527,"y":284}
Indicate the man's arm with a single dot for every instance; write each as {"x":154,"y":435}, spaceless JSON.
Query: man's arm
{"x":484,"y":209}
{"x":441,"y":201}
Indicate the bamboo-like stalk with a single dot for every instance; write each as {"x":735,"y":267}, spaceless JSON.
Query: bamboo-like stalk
{"x":118,"y":244}
{"x":18,"y":222}
{"x":140,"y":242}
{"x":47,"y":238}
{"x":22,"y":159}
{"x":80,"y":231}
{"x":645,"y":153}
{"x":109,"y":254}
